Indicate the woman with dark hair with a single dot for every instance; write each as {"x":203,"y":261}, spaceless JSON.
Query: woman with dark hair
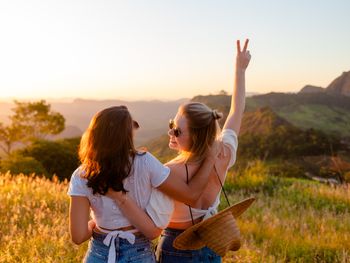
{"x":110,"y":162}
{"x":193,"y":132}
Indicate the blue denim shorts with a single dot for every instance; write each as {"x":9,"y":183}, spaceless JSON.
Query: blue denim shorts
{"x":141,"y":251}
{"x":168,"y":254}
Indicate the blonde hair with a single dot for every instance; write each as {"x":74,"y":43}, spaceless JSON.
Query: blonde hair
{"x":203,"y":128}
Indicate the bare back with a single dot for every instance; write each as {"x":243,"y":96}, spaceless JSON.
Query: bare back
{"x":212,"y":189}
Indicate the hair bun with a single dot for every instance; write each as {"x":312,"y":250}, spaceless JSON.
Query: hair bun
{"x":217,"y":115}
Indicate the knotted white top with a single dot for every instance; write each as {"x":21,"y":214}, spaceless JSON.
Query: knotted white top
{"x":147,"y":173}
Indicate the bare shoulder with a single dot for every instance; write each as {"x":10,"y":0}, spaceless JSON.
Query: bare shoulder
{"x":173,"y":165}
{"x":224,"y":153}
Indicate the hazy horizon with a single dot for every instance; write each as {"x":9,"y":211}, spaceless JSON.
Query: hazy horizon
{"x":130,"y":99}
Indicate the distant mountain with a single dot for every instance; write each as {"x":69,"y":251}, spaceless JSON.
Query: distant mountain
{"x":215,"y":101}
{"x":263,"y":121}
{"x":311,"y":89}
{"x":69,"y":132}
{"x":341,"y":85}
{"x":159,"y":147}
{"x":278,"y":101}
{"x":249,"y":94}
{"x":153,"y":116}
{"x":327,"y":112}
{"x":321,"y":111}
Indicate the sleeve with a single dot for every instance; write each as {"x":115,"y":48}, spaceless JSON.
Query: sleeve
{"x":77,"y":185}
{"x":160,"y":208}
{"x":158,"y":172}
{"x":229,"y":139}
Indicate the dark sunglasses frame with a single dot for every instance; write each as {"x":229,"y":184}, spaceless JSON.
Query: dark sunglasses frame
{"x":176,"y":131}
{"x":135,"y":124}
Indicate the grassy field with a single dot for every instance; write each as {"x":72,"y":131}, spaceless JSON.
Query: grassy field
{"x":318,"y":117}
{"x":291,"y":220}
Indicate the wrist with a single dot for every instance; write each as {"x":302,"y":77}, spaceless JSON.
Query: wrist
{"x":121,"y":199}
{"x":91,"y":225}
{"x":240,"y":70}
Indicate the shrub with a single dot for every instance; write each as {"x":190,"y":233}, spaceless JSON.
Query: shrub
{"x":286,"y":169}
{"x":17,"y":164}
{"x":251,"y":179}
{"x":57,"y":157}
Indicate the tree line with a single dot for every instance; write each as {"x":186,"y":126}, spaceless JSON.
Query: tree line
{"x":28,"y":130}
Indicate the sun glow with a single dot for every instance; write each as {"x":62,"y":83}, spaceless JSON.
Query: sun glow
{"x":155,"y":50}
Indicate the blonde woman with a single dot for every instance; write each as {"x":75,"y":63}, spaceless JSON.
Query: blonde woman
{"x":193,"y":132}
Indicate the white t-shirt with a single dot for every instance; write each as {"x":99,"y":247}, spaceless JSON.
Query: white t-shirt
{"x":147,"y":174}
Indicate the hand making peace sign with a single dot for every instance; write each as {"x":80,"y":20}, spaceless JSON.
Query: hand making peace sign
{"x":243,"y":56}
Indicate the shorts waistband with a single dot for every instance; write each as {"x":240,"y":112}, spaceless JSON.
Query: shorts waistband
{"x":172,"y":231}
{"x":101,"y":237}
{"x":125,"y":228}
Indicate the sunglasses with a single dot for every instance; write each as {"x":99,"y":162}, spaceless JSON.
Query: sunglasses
{"x":135,"y":125}
{"x":176,"y":131}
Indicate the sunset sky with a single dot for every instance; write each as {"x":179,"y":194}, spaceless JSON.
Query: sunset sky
{"x":167,"y":49}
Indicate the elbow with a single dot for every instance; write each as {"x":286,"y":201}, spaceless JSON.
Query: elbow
{"x":78,"y":240}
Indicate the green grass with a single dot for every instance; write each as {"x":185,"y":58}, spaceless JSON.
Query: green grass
{"x":292,"y":220}
{"x":318,"y":117}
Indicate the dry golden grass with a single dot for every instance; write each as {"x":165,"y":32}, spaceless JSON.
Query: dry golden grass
{"x":291,"y":220}
{"x":34,"y":221}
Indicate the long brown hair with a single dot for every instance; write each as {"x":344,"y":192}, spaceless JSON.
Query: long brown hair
{"x":107,"y":149}
{"x":203,"y":128}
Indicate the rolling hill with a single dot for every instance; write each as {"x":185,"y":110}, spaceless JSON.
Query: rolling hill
{"x":263,"y":121}
{"x":339,"y":86}
{"x":321,"y":111}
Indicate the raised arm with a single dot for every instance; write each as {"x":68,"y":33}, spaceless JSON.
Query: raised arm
{"x":235,"y":115}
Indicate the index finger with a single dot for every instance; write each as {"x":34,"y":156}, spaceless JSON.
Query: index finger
{"x":238,"y":46}
{"x":245,"y":45}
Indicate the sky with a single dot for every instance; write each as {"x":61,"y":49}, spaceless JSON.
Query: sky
{"x":162,"y":49}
